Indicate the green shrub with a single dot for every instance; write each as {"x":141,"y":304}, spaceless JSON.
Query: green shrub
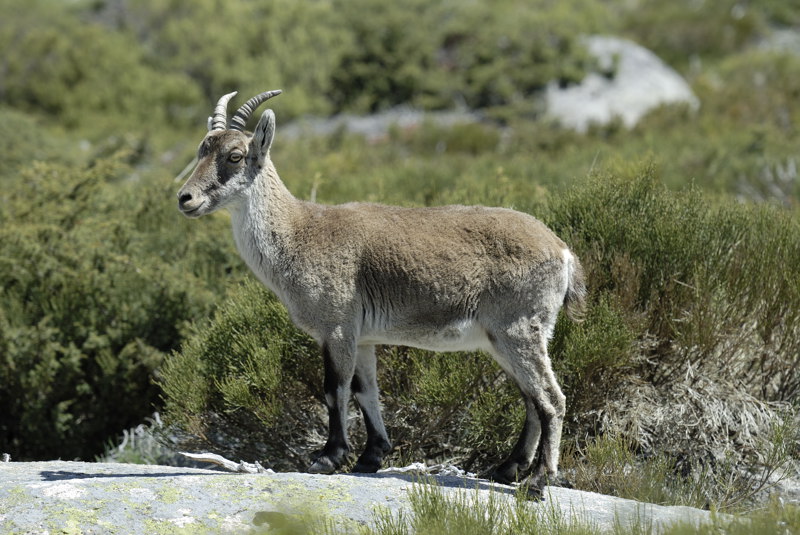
{"x":694,"y":269}
{"x":677,"y":294}
{"x":681,"y":29}
{"x":249,"y":47}
{"x":715,"y":328}
{"x":243,"y":382}
{"x":24,"y":139}
{"x":93,"y":297}
{"x":445,"y":406}
{"x":148,"y":61}
{"x":756,"y":87}
{"x":81,"y":73}
{"x":592,"y":357}
{"x":438,"y":55}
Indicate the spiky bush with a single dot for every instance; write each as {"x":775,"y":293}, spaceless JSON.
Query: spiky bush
{"x":712,"y":288}
{"x":693,"y":309}
{"x":94,"y":295}
{"x":247,"y":383}
{"x":688,"y":348}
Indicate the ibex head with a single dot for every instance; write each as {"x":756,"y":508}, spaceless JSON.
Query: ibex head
{"x":228,"y":159}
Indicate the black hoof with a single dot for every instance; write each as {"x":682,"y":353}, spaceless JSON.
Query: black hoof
{"x":368,"y":462}
{"x":371,"y":459}
{"x":507,"y":473}
{"x":367,"y":467}
{"x":561,"y":480}
{"x":323,"y":465}
{"x":502,"y":478}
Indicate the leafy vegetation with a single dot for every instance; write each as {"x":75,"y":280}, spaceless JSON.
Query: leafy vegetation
{"x":434,"y":510}
{"x":671,"y":355}
{"x":92,"y":302}
{"x":113,"y":305}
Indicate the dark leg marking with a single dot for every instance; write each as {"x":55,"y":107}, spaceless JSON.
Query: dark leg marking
{"x":517,"y":465}
{"x":522,"y":353}
{"x":337,"y":394}
{"x":365,"y":388}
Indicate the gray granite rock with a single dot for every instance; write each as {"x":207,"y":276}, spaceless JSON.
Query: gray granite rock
{"x":73,"y":497}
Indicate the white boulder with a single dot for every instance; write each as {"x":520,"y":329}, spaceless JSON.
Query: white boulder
{"x":638,"y":83}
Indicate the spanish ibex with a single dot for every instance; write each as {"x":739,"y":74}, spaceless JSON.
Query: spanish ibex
{"x":450,"y":278}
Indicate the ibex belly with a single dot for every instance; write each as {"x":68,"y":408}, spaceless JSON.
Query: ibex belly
{"x":460,"y":335}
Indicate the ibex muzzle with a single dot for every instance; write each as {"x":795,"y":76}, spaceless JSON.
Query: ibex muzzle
{"x":222,"y":168}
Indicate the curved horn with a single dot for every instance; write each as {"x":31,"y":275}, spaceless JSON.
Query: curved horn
{"x":242,"y":114}
{"x":219,"y":121}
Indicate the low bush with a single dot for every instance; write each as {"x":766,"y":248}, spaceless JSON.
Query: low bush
{"x":692,"y":269}
{"x":677,"y":32}
{"x":83,"y":75}
{"x":715,"y":364}
{"x":690,"y":348}
{"x":91,"y":303}
{"x":438,"y":56}
{"x":685,"y":340}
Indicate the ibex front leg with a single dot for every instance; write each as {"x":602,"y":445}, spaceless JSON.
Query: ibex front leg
{"x":340,"y":363}
{"x":365,"y":388}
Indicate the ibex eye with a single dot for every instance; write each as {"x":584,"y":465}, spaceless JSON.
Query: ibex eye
{"x":235,"y":157}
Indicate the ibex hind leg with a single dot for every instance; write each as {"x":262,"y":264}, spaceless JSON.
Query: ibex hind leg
{"x":519,"y":461}
{"x":522,"y":352}
{"x":339,"y":359}
{"x":365,"y":388}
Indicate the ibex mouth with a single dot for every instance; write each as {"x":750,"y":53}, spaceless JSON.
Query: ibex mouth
{"x":190,"y":204}
{"x":192,"y":212}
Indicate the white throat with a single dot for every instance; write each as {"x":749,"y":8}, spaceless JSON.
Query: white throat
{"x":256,"y":227}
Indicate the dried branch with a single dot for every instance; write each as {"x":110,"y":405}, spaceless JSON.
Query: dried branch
{"x":231,"y":466}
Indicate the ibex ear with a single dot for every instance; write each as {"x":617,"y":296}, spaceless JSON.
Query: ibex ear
{"x":263,"y":135}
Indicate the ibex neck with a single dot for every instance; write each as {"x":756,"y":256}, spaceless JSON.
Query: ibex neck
{"x":262,"y":225}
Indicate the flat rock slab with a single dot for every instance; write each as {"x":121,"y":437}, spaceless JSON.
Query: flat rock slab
{"x":74,"y":497}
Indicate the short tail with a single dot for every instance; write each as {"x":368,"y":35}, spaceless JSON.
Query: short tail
{"x":575,"y":298}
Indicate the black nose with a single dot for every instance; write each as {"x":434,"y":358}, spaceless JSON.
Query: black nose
{"x":183,"y":198}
